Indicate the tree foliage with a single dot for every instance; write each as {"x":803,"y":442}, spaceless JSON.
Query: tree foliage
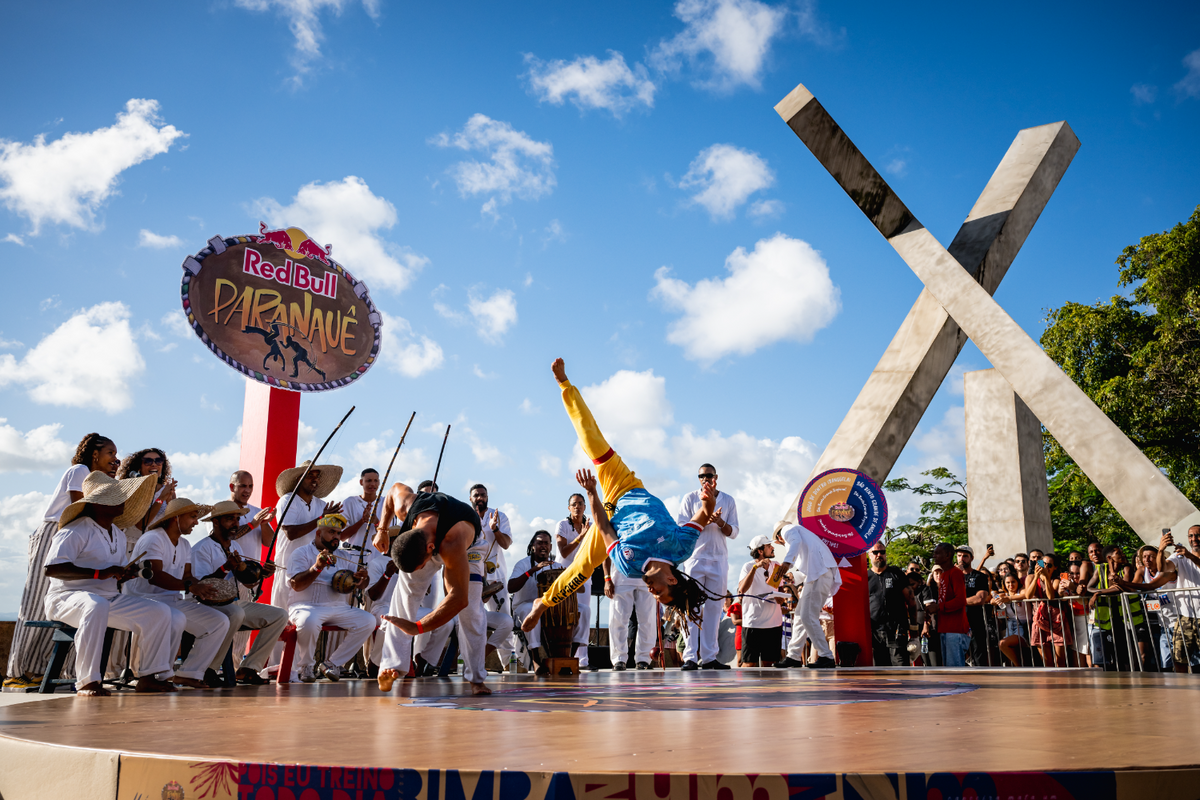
{"x":1138,"y":357}
{"x":943,"y":517}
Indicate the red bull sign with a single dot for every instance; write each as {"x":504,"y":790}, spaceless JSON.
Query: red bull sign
{"x":277,"y":308}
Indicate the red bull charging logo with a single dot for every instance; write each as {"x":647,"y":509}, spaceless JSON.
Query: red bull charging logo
{"x":279,"y":309}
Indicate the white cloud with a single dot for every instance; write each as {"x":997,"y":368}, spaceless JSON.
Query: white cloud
{"x":153,"y":240}
{"x":943,"y":444}
{"x":494,"y":315}
{"x":483,"y":376}
{"x":632,"y":410}
{"x":403,"y":351}
{"x":66,"y":181}
{"x":303,"y":18}
{"x":554,"y":233}
{"x":590,"y":83}
{"x":1143,"y":93}
{"x":780,"y":291}
{"x":1190,"y":84}
{"x":517,"y":165}
{"x":551,"y":465}
{"x":412,"y":466}
{"x":527,"y":407}
{"x":176,"y":324}
{"x":20,"y":516}
{"x":348,"y":215}
{"x":762,"y":209}
{"x":522,"y":530}
{"x":897,"y":168}
{"x":219,"y":463}
{"x":14,"y":239}
{"x":728,"y":39}
{"x":485,"y":453}
{"x":725,"y":177}
{"x":9,"y":344}
{"x":90,"y":360}
{"x":39,"y":450}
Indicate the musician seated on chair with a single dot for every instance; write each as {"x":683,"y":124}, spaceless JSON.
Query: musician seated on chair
{"x":523,"y":588}
{"x":222,"y":556}
{"x":317,"y":601}
{"x":167,"y":558}
{"x":86,"y":564}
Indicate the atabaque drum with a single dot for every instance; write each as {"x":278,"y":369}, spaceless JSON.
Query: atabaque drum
{"x":220,"y":592}
{"x":558,"y":623}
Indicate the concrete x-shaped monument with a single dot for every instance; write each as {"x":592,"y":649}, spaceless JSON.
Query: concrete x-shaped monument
{"x":956,"y":300}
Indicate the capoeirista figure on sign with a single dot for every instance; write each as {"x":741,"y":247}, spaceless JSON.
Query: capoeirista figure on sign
{"x":642,"y":538}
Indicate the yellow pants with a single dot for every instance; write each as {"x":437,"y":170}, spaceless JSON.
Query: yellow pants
{"x":615,"y":479}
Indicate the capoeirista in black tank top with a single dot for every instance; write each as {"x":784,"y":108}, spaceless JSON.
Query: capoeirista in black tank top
{"x":450,"y":511}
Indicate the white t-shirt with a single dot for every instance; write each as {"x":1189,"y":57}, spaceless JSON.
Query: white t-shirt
{"x":320,"y":592}
{"x":353,"y":508}
{"x":85,"y":544}
{"x":1187,"y":604}
{"x":529,"y":591}
{"x":566,"y":530}
{"x":758,"y":613}
{"x":487,"y":548}
{"x":71,"y":481}
{"x":712,"y":544}
{"x":208,"y":557}
{"x":155,"y":545}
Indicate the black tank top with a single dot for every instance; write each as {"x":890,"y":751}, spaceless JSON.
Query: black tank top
{"x":450,"y":512}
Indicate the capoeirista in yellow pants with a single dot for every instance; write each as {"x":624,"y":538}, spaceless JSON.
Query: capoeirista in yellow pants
{"x":645,"y":529}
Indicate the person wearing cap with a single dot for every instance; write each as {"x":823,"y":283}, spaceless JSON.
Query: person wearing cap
{"x":85,"y":565}
{"x":31,"y":647}
{"x":168,"y":556}
{"x":818,"y":570}
{"x":310,"y":572}
{"x":893,"y":610}
{"x":709,"y":566}
{"x":220,"y":556}
{"x":762,"y":616}
{"x":980,"y":615}
{"x":304,"y":505}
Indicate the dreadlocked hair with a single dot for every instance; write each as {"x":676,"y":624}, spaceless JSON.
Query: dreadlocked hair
{"x":131,"y":467}
{"x":687,"y":599}
{"x":88,"y":447}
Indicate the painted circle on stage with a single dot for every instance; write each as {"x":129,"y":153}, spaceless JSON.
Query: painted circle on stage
{"x":716,"y":695}
{"x":846,"y":509}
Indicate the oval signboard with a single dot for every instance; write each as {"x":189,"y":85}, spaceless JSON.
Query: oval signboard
{"x":277,"y":308}
{"x":846,"y":509}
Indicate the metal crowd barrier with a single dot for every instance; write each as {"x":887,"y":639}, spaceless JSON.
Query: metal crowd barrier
{"x":1066,"y":637}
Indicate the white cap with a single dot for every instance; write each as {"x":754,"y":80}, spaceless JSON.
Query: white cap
{"x":966,"y":548}
{"x":759,"y":541}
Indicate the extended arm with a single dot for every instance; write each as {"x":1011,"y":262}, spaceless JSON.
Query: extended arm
{"x":588,"y":481}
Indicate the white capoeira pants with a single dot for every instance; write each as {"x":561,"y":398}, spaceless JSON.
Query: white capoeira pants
{"x":806,"y":622}
{"x":31,"y":647}
{"x":91,"y":615}
{"x":406,"y":604}
{"x":627,"y":598}
{"x":702,"y":639}
{"x":206,"y":623}
{"x":269,"y":621}
{"x":583,"y":627}
{"x":308,"y":620}
{"x":502,"y":634}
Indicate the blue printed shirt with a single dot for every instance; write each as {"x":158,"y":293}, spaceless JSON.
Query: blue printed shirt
{"x":646,"y":530}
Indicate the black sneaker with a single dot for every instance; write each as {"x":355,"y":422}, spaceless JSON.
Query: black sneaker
{"x":249,"y":677}
{"x":823,"y":663}
{"x":619,"y":666}
{"x":688,"y":666}
{"x":213,"y":679}
{"x":787,"y":663}
{"x":714,"y":664}
{"x":643,"y":665}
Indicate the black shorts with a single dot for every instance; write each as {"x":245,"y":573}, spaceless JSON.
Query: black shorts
{"x":762,"y":644}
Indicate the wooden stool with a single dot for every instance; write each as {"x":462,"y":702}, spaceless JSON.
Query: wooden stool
{"x":288,"y":637}
{"x":64,"y":638}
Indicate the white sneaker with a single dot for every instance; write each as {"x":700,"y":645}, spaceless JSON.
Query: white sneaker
{"x":331,"y":672}
{"x":307,"y":675}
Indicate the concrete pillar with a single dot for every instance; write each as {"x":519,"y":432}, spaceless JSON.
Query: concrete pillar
{"x":1008,"y":504}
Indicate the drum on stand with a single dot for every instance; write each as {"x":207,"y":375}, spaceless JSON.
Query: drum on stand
{"x":558,"y":626}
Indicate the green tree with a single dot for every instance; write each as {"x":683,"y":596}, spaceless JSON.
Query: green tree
{"x":943,"y":517}
{"x":1138,"y":357}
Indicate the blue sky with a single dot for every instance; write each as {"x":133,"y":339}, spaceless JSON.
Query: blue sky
{"x":609,"y":183}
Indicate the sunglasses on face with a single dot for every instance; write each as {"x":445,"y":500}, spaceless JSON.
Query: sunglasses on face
{"x":1022,"y":560}
{"x":151,"y":460}
{"x":707,"y":476}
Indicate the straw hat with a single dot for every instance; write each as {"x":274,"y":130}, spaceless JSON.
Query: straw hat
{"x":335,"y":522}
{"x":223,"y":509}
{"x":289,"y":478}
{"x":178,"y":507}
{"x":136,"y":493}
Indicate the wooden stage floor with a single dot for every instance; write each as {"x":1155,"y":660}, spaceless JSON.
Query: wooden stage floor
{"x":737,"y":735}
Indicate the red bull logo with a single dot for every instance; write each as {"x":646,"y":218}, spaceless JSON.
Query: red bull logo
{"x":292,"y":273}
{"x":295,"y":242}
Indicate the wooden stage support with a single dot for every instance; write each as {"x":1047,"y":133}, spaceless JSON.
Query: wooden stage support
{"x":740,"y":735}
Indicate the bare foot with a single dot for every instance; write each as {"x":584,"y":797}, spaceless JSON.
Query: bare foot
{"x":93,"y":689}
{"x":191,"y":683}
{"x":386,"y":678}
{"x":149,"y":683}
{"x":559,"y":368}
{"x":535,"y":614}
{"x":479,"y":688}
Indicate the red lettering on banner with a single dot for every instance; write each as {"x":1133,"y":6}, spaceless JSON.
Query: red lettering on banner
{"x":303,"y":279}
{"x":264,"y":794}
{"x":284,"y":274}
{"x":251,"y":261}
{"x":662,"y":786}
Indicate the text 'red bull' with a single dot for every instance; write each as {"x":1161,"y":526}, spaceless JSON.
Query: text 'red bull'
{"x":290,"y":274}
